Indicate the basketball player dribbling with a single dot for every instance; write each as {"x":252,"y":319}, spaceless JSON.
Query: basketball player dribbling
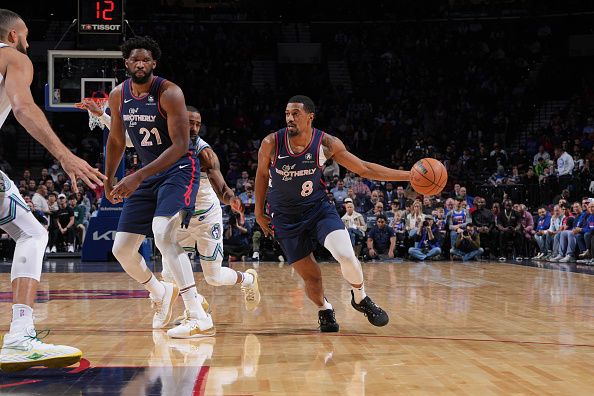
{"x":21,"y":347}
{"x":153,"y":112}
{"x":205,"y":227}
{"x":289,"y":174}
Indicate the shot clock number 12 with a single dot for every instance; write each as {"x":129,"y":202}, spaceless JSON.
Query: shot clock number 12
{"x":100,"y":16}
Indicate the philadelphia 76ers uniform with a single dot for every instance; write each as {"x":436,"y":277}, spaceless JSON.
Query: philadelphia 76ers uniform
{"x":165,"y":193}
{"x":301,"y":213}
{"x":205,"y":228}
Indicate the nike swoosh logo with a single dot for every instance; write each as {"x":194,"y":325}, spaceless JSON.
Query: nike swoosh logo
{"x":183,"y":166}
{"x":286,"y":156}
{"x":129,"y":100}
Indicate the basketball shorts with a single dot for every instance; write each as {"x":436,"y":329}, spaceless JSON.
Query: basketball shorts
{"x":163,"y":194}
{"x":298,"y":234}
{"x":206,"y":232}
{"x":15,"y":214}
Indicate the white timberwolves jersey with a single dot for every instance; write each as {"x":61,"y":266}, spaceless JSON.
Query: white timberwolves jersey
{"x":206,"y":198}
{"x":4,"y":103}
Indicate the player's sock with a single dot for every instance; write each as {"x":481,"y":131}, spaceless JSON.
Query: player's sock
{"x":326,"y":305}
{"x":359,"y":293}
{"x":22,"y":317}
{"x":247,"y":278}
{"x":155,"y":287}
{"x":193,"y":302}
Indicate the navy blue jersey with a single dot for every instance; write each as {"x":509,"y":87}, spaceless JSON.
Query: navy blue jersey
{"x":296,"y":180}
{"x":146,"y":121}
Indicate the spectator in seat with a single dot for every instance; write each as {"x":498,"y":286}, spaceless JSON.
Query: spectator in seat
{"x":397,"y":223}
{"x":40,"y":200}
{"x":579,"y":230}
{"x":361,"y":189}
{"x":498,"y":178}
{"x":588,"y":233}
{"x":389,"y":194}
{"x":468,"y":244}
{"x":440,"y":221}
{"x":428,"y":206}
{"x":543,"y":223}
{"x":498,"y":156}
{"x":484,"y":222}
{"x":394,"y":209}
{"x":542,"y":153}
{"x":401,"y":196}
{"x":567,"y":239}
{"x":248,"y":198}
{"x":450,"y":205}
{"x":236,"y":238}
{"x":355,"y":224}
{"x":378,"y":209}
{"x":340,"y":192}
{"x":414,"y":219}
{"x":457,"y":221}
{"x":63,"y":227}
{"x":331,"y":169}
{"x":80,"y":215}
{"x":526,"y":229}
{"x":242,"y":181}
{"x":381,"y":239}
{"x":349,"y":179}
{"x":509,"y":227}
{"x":456,"y":192}
{"x":38,"y":214}
{"x":467,"y":198}
{"x":557,"y":220}
{"x":427,"y":241}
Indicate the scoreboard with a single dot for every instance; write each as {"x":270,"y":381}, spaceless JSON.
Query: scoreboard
{"x":100,"y":16}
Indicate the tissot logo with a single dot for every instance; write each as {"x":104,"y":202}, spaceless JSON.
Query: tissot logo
{"x":106,"y":236}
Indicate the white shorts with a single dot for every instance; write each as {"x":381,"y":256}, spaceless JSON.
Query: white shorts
{"x":206,"y":232}
{"x":15,"y":215}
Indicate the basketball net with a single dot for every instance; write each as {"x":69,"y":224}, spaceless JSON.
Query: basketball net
{"x":101,"y":99}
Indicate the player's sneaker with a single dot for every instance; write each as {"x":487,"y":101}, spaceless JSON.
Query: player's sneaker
{"x":327,"y":321}
{"x":205,"y":306}
{"x":24,"y":350}
{"x":375,"y":315}
{"x":193,"y":328}
{"x":164,"y":308}
{"x":251,"y":293}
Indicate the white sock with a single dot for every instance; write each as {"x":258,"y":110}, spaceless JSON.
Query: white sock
{"x":248,"y":279}
{"x":326,"y":305}
{"x":155,"y":287}
{"x":359,"y":293}
{"x":22,"y":317}
{"x":193,"y":303}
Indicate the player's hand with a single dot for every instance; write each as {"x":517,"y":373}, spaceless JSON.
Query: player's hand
{"x":90,"y":105}
{"x":108,"y":195}
{"x":264,"y":221}
{"x":236,"y":204}
{"x":186,"y":216}
{"x":77,"y":168}
{"x":126,"y":186}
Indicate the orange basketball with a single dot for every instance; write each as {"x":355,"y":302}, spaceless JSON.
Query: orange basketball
{"x":428,"y":176}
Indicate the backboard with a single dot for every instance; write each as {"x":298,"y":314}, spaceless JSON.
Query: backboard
{"x":74,"y":75}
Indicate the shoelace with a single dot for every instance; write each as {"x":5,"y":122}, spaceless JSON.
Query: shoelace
{"x":249,"y":293}
{"x":34,"y":339}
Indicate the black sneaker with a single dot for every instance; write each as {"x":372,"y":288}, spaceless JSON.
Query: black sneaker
{"x":375,"y":315}
{"x":327,"y":321}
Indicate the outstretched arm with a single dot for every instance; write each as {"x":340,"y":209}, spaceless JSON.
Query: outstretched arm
{"x":334,"y":148}
{"x":210,"y":162}
{"x":116,"y":143}
{"x":265,"y":154}
{"x":18,"y":78}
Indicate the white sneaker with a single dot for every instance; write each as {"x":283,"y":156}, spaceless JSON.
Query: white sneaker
{"x":24,"y":350}
{"x":281,"y":258}
{"x":251,"y":293}
{"x":193,"y":328}
{"x":53,"y":250}
{"x":70,"y":248}
{"x":256,"y":256}
{"x":47,"y":249}
{"x":566,"y":259}
{"x":538,"y":256}
{"x":205,"y":306}
{"x":556,"y":258}
{"x":164,"y":308}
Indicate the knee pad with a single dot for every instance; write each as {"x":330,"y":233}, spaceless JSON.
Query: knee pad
{"x":339,"y":244}
{"x":217,"y":275}
{"x":31,"y":240}
{"x":164,"y":230}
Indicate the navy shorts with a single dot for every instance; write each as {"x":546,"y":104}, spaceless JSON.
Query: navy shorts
{"x":298,"y":234}
{"x":163,"y":194}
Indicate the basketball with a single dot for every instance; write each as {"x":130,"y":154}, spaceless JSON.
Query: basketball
{"x":428,"y":176}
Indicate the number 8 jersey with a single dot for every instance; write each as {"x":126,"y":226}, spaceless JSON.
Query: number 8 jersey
{"x":296,"y":180}
{"x":145,"y":121}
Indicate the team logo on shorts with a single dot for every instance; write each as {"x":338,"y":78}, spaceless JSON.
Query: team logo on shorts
{"x":215,"y":231}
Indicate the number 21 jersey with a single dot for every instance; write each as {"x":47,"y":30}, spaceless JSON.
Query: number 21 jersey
{"x":296,"y":180}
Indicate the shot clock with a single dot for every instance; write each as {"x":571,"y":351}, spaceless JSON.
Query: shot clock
{"x":100,"y":16}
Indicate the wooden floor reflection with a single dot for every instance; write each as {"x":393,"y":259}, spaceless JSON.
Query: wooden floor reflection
{"x":483,"y":328}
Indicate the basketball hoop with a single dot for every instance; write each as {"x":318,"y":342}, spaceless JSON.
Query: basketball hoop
{"x":100,"y":99}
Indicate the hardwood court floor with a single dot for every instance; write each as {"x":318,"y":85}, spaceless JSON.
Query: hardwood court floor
{"x":478,"y":329}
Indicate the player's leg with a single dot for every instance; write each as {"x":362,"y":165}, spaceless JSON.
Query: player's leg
{"x":20,"y":348}
{"x":210,"y":248}
{"x":198,"y":322}
{"x":331,"y":232}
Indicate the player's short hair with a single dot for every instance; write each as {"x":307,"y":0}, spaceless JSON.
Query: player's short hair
{"x":7,"y":21}
{"x":308,"y":104}
{"x":144,"y":42}
{"x":192,"y":109}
